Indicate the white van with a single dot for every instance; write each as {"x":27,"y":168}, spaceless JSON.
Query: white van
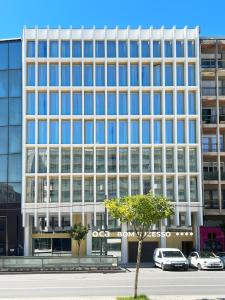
{"x":170,"y":259}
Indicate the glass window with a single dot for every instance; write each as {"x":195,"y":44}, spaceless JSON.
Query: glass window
{"x":4,"y":140}
{"x":111,"y":49}
{"x":77,"y":132}
{"x":180,"y":74}
{"x":76,"y":49}
{"x":15,"y":139}
{"x":168,"y":74}
{"x":42,"y":74}
{"x":168,"y":47}
{"x":54,"y":74}
{"x":157,"y":132}
{"x":123,"y":160}
{"x":157,"y":103}
{"x":53,"y":49}
{"x":100,"y":160}
{"x":134,"y":49}
{"x":192,"y":132}
{"x":30,"y":48}
{"x":191,"y":48}
{"x":191,"y":103}
{"x":111,"y":74}
{"x":42,"y":132}
{"x":4,"y":112}
{"x":42,"y":160}
{"x":181,"y":189}
{"x":54,"y":103}
{"x":134,"y":74}
{"x":146,"y":185}
{"x":100,"y":103}
{"x":146,"y":75}
{"x":100,"y":189}
{"x":193,"y":189}
{"x":169,"y":131}
{"x":42,"y":48}
{"x":112,"y":187}
{"x":111,"y":160}
{"x":77,"y":103}
{"x":135,"y":186}
{"x":111,"y":132}
{"x":65,"y":74}
{"x":146,"y":160}
{"x":77,"y":190}
{"x":77,"y":75}
{"x":145,"y":132}
{"x":54,"y":189}
{"x":134,"y":131}
{"x":158,"y":160}
{"x":193,"y":160}
{"x":180,"y":132}
{"x":158,"y":190}
{"x":88,"y":75}
{"x":191,"y":75}
{"x":65,"y":103}
{"x":54,"y":132}
{"x":88,"y":103}
{"x":15,"y":83}
{"x":42,"y":103}
{"x":65,"y":160}
{"x":77,"y":160}
{"x":145,"y":103}
{"x":134,"y":105}
{"x":30,"y":161}
{"x":180,"y":103}
{"x":100,"y":74}
{"x":169,"y":103}
{"x":170,"y":188}
{"x":30,"y":104}
{"x":30,"y":132}
{"x":88,"y":48}
{"x":100,"y":132}
{"x":4,"y":168}
{"x":42,"y":190}
{"x":181,"y":159}
{"x":123,"y":139}
{"x":30,"y":78}
{"x":88,"y":160}
{"x":122,"y":74}
{"x":65,"y":132}
{"x":30,"y":189}
{"x":157,"y":75}
{"x":156,"y":49}
{"x":169,"y":160}
{"x":65,"y":190}
{"x":15,"y":111}
{"x":135,"y":167}
{"x":111,"y":103}
{"x":89,"y":132}
{"x":53,"y":160}
{"x":123,"y":103}
{"x":122,"y":49}
{"x":145,"y":49}
{"x":88,"y":190}
{"x":4,"y":56}
{"x":179,"y":48}
{"x":65,"y":48}
{"x":100,"y":49}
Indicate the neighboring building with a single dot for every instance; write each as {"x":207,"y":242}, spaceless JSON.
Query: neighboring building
{"x":11,"y":233}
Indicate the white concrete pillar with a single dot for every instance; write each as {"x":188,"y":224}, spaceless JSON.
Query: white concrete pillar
{"x":27,"y":237}
{"x":124,"y":245}
{"x":89,"y":236}
{"x":162,"y":237}
{"x":196,"y":231}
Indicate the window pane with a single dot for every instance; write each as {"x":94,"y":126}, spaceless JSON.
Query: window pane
{"x":4,"y":168}
{"x":88,"y":103}
{"x":54,"y":132}
{"x":158,"y":160}
{"x":77,"y":104}
{"x":65,"y":160}
{"x":54,"y":103}
{"x":4,"y":112}
{"x":30,"y":132}
{"x":191,"y":103}
{"x":134,"y":105}
{"x":134,"y":49}
{"x":181,"y":189}
{"x":111,"y":132}
{"x":123,"y":186}
{"x":30,"y":78}
{"x":123,"y":132}
{"x":77,"y":75}
{"x":169,"y":131}
{"x":42,"y":74}
{"x":180,"y":74}
{"x":122,"y":74}
{"x":42,"y":189}
{"x":145,"y":132}
{"x":42,"y":132}
{"x":77,"y":132}
{"x":193,"y":189}
{"x":100,"y":75}
{"x":111,"y":160}
{"x":123,"y":103}
{"x":181,"y":159}
{"x":134,"y":132}
{"x":100,"y":189}
{"x":111,"y":103}
{"x":3,"y":56}
{"x":88,"y":75}
{"x":180,"y":132}
{"x":54,"y":74}
{"x":42,"y":48}
{"x":157,"y":75}
{"x":77,"y":190}
{"x":123,"y":160}
{"x":146,"y":185}
{"x":65,"y":134}
{"x":65,"y":102}
{"x":88,"y":190}
{"x":54,"y":189}
{"x":112,"y":187}
{"x":168,"y":48}
{"x":65,"y":190}
{"x":77,"y":160}
{"x":145,"y":103}
{"x":100,"y":160}
{"x":122,"y":49}
{"x":100,"y":132}
{"x":30,"y":104}
{"x":65,"y":74}
{"x":169,"y":160}
{"x":100,"y":103}
{"x":134,"y":74}
{"x":180,"y":48}
{"x":111,"y":49}
{"x":111,"y":75}
{"x":156,"y":49}
{"x":158,"y":186}
{"x":191,"y":74}
{"x":15,"y":83}
{"x":168,"y":74}
{"x":88,"y":49}
{"x":157,"y":104}
{"x":191,"y":48}
{"x":30,"y":161}
{"x":192,"y":132}
{"x":180,"y":103}
{"x":89,"y":132}
{"x":30,"y":48}
{"x":146,"y":75}
{"x":53,"y":49}
{"x":65,"y":49}
{"x":170,"y":188}
{"x":88,"y":160}
{"x":169,"y":103}
{"x":146,"y":160}
{"x":30,"y":190}
{"x":42,"y":103}
{"x":193,"y":160}
{"x":15,"y":139}
{"x":135,"y":167}
{"x":145,"y":49}
{"x":135,"y":186}
{"x":76,"y":49}
{"x":54,"y":160}
{"x":157,"y":132}
{"x":100,"y":49}
{"x":42,"y":160}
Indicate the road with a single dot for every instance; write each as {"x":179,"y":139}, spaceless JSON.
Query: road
{"x":153,"y":282}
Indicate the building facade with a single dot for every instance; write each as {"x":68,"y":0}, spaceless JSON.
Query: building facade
{"x":11,"y":232}
{"x":106,"y":113}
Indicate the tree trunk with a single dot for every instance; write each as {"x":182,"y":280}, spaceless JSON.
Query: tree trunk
{"x":78,"y":252}
{"x":137,"y":268}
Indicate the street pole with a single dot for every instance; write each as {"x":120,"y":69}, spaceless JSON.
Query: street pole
{"x":106,"y":227}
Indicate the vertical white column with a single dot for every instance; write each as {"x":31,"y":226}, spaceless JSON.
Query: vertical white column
{"x":124,"y":245}
{"x":89,"y":236}
{"x":162,"y":237}
{"x":27,"y":237}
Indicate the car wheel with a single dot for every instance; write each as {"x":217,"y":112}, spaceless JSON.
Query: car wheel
{"x":199,"y":267}
{"x":163,"y":267}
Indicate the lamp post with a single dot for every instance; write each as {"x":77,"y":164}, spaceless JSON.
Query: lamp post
{"x":105,"y":227}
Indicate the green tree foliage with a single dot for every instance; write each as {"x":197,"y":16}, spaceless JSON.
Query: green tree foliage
{"x":78,"y":233}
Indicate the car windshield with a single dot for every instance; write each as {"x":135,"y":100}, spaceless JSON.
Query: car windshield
{"x":172,"y":254}
{"x":221,"y":254}
{"x":207,"y":255}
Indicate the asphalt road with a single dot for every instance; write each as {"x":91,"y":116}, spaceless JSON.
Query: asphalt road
{"x":153,"y":282}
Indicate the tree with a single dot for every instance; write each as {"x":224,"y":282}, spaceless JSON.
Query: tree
{"x":78,"y":233}
{"x":141,"y":211}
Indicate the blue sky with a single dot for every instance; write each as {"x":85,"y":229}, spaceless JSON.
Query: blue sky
{"x":209,"y":15}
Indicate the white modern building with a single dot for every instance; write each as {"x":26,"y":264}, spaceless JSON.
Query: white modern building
{"x":106,"y":113}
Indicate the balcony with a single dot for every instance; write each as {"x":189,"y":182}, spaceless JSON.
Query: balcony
{"x":211,"y":91}
{"x":211,"y":63}
{"x":211,"y":175}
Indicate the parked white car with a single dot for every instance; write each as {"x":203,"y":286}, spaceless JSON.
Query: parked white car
{"x":205,"y":261}
{"x":222,"y":257}
{"x":170,"y":259}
